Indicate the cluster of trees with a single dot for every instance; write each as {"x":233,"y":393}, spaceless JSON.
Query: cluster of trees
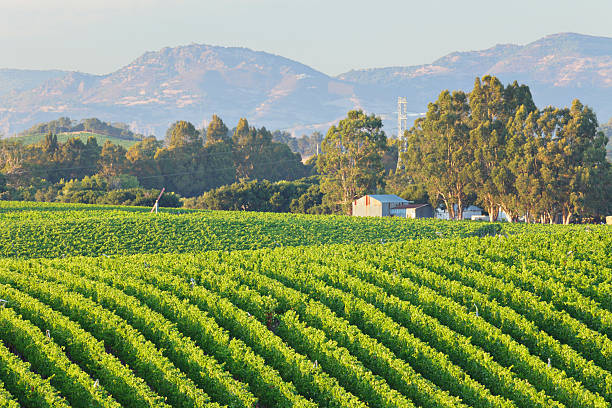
{"x":189,"y":162}
{"x":494,"y":147}
{"x":491,"y":147}
{"x":93,"y":125}
{"x":299,"y":196}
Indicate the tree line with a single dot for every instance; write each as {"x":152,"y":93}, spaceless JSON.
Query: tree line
{"x":491,"y":147}
{"x":188,"y":162}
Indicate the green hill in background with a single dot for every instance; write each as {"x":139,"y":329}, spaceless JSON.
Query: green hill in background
{"x":65,"y":128}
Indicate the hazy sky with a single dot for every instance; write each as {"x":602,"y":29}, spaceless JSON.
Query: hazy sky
{"x":334,"y":36}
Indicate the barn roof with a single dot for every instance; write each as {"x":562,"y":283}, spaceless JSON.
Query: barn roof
{"x":388,"y":198}
{"x":401,"y":206}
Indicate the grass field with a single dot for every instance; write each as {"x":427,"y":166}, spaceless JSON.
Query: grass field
{"x":210,"y":309}
{"x":63,"y":137}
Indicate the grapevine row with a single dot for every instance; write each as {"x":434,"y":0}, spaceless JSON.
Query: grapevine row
{"x":182,"y":351}
{"x":431,"y":363}
{"x":373,"y":354}
{"x":474,"y":360}
{"x":486,"y":336}
{"x":592,"y":345}
{"x":309,"y":379}
{"x":85,"y":350}
{"x":49,"y":361}
{"x":528,"y":278}
{"x":128,"y":344}
{"x":238,"y":357}
{"x":28,"y":387}
{"x":507,"y":320}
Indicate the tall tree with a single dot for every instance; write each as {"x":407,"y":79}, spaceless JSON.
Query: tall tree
{"x":491,"y":107}
{"x":142,"y":164}
{"x":256,"y":156}
{"x":112,"y":159}
{"x":49,"y":143}
{"x":182,"y":134}
{"x":439,"y":154}
{"x":487,"y":133}
{"x":518,"y":180}
{"x":575,"y":157}
{"x":216,"y":131}
{"x":351,"y":159}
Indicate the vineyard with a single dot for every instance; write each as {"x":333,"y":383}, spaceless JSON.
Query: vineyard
{"x":60,"y":230}
{"x":213,"y":309}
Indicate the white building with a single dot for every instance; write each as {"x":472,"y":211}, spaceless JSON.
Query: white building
{"x":468,"y":212}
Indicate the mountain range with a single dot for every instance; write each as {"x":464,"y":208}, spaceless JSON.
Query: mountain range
{"x":192,"y":82}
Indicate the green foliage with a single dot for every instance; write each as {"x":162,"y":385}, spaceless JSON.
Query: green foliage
{"x":256,"y":156}
{"x":183,"y":134}
{"x":216,"y":131}
{"x":54,"y":230}
{"x":184,"y":166}
{"x":438,"y":154}
{"x":351,"y":160}
{"x":282,"y":196}
{"x":495,"y":147}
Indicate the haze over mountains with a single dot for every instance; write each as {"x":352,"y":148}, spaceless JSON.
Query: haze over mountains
{"x":193,"y":82}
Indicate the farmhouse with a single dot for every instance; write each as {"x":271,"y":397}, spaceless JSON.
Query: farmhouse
{"x":389,"y":205}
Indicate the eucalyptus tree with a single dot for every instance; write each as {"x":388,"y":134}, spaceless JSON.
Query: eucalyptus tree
{"x":491,"y":107}
{"x":439,"y":153}
{"x":351,"y":159}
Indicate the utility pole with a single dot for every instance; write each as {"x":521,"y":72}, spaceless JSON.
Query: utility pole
{"x":402,"y":126}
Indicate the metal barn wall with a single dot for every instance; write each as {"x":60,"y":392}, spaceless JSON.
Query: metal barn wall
{"x":367,"y":207}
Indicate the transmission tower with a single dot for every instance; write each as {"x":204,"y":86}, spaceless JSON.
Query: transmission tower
{"x":402,"y":126}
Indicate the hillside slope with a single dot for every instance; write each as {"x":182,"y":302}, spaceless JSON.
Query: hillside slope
{"x":193,"y":82}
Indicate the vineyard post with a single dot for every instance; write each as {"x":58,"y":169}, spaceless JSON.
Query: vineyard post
{"x":156,"y":205}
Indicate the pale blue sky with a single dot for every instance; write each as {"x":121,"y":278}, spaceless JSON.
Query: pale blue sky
{"x":334,"y":36}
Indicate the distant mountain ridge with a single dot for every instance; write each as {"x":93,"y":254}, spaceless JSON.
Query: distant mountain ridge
{"x":192,"y":82}
{"x":19,"y":80}
{"x":557,"y":68}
